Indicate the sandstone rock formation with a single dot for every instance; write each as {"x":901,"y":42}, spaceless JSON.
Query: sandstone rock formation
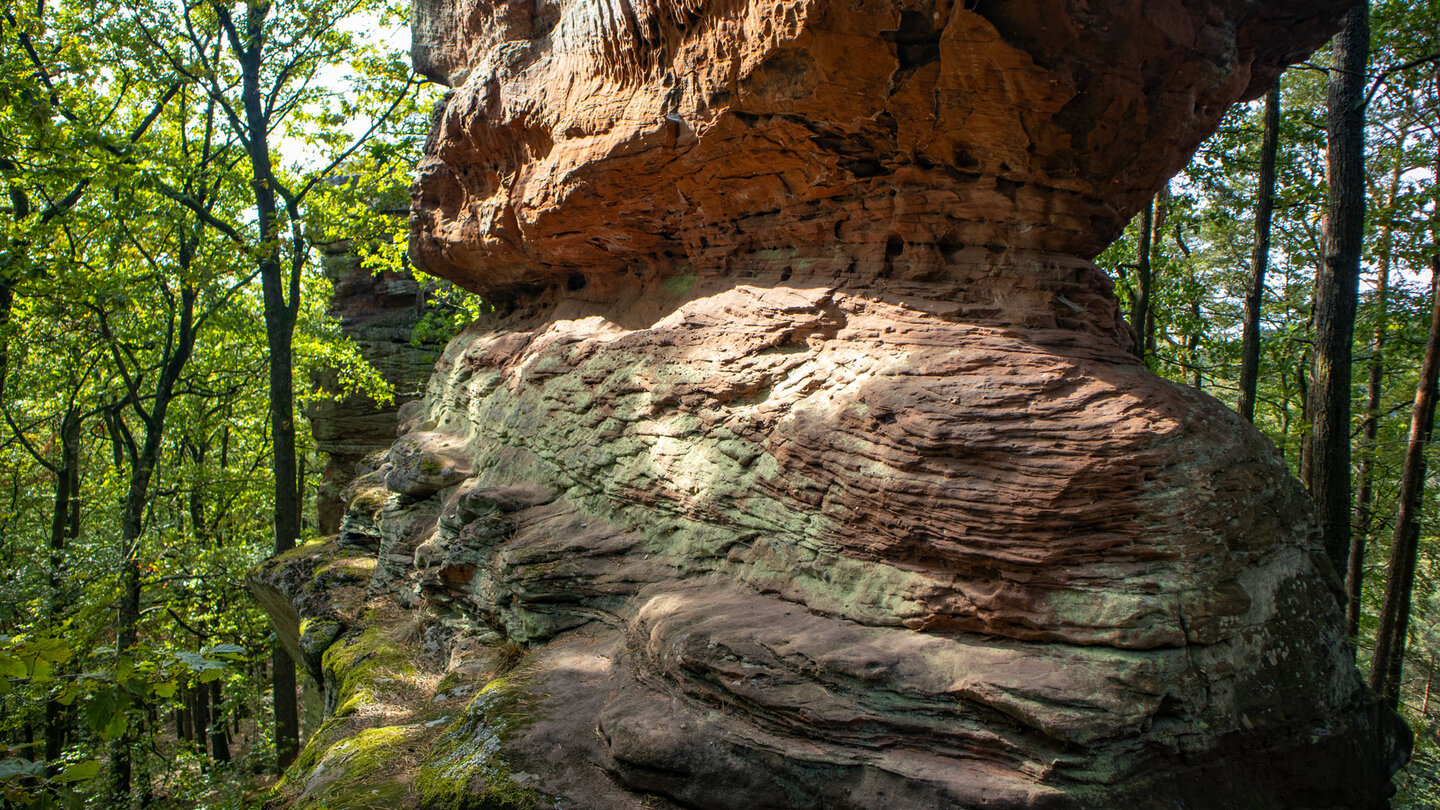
{"x":805,"y":462}
{"x":379,"y":311}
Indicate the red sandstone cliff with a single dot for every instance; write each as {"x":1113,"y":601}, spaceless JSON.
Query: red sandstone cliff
{"x":806,"y":455}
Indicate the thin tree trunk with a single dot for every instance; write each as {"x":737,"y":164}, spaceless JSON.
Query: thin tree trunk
{"x":1429,"y":685}
{"x":1364,"y":498}
{"x":64,"y":526}
{"x":1386,"y":667}
{"x":200,"y":716}
{"x":1160,"y":215}
{"x":1259,"y":256}
{"x":143,"y":460}
{"x":1140,"y":319}
{"x":281,"y":313}
{"x":7,"y":303}
{"x":219,"y":744}
{"x":287,"y":529}
{"x":1336,"y":287}
{"x":1303,"y":389}
{"x":1192,"y":345}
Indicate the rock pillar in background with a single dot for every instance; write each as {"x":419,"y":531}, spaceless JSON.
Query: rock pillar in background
{"x":379,"y":311}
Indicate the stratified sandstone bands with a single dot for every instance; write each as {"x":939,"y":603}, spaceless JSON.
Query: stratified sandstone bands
{"x":805,"y":461}
{"x":586,"y":138}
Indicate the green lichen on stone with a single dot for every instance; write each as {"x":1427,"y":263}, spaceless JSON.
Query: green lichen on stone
{"x":362,"y":665}
{"x":466,"y":769}
{"x":365,"y":770}
{"x":316,"y":636}
{"x":303,"y":551}
{"x":369,"y":500}
{"x":340,"y":570}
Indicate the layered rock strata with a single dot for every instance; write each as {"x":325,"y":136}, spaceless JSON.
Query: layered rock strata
{"x":806,"y":462}
{"x":379,"y":312}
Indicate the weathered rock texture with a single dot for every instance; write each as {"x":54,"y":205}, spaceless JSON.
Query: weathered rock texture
{"x":379,"y":311}
{"x":806,"y":453}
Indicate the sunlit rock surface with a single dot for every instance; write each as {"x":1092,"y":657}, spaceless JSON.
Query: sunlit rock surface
{"x":805,"y":462}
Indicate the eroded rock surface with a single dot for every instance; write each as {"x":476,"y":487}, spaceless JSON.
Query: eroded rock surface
{"x":379,"y":311}
{"x":806,"y":462}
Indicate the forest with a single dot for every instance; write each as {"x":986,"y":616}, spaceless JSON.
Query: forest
{"x":175,"y":171}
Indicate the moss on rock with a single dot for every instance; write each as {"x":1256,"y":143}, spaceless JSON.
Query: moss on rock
{"x":358,"y":667}
{"x":466,"y":769}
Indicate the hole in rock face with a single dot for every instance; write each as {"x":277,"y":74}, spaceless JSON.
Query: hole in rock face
{"x":785,"y":276}
{"x":1008,"y":187}
{"x":894,"y":246}
{"x":917,"y":43}
{"x":862,"y":169}
{"x":950,"y":247}
{"x":576,"y":281}
{"x":964,"y":160}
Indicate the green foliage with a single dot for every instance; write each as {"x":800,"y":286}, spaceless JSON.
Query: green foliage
{"x":128,"y":256}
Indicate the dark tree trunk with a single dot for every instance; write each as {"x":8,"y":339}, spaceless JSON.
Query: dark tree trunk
{"x":200,"y":716}
{"x":64,"y":526}
{"x":7,"y":303}
{"x":180,"y":343}
{"x":1140,"y":319}
{"x":1386,"y":666}
{"x":1336,"y":287}
{"x":219,"y":744}
{"x":1259,"y":256}
{"x":1364,"y":498}
{"x":281,"y":293}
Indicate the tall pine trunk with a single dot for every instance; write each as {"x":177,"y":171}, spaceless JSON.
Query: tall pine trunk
{"x":1336,"y":287}
{"x":1364,"y":498}
{"x":1387,"y":664}
{"x":1259,"y":256}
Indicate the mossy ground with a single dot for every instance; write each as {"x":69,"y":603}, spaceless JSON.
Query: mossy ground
{"x":466,"y":769}
{"x":403,"y":735}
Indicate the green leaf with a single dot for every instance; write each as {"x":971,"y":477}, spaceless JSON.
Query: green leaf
{"x":11,"y":666}
{"x":80,"y":771}
{"x":198,"y":662}
{"x":117,"y":725}
{"x":106,"y":712}
{"x":165,"y":689}
{"x":68,"y":694}
{"x":11,"y":768}
{"x":53,"y":650}
{"x":224,"y":649}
